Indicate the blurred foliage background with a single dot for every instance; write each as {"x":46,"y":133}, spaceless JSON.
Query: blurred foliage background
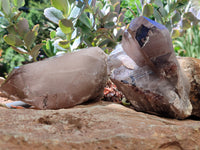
{"x":31,"y":30}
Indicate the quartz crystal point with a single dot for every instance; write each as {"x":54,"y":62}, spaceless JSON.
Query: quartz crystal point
{"x":60,"y":82}
{"x":147,"y":72}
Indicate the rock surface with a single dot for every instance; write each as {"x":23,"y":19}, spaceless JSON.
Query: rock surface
{"x":60,"y":82}
{"x":191,"y":67}
{"x":154,"y":82}
{"x":101,"y":125}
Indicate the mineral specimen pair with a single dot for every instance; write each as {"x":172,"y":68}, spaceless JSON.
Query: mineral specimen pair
{"x":145,"y":69}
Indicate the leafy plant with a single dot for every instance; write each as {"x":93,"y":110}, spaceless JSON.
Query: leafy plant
{"x":174,"y":14}
{"x":49,"y":49}
{"x":83,"y":25}
{"x":19,"y":36}
{"x":188,"y":45}
{"x":2,"y":33}
{"x":35,"y":16}
{"x":80,"y":24}
{"x":9,"y":60}
{"x":132,"y":9}
{"x":35,"y":12}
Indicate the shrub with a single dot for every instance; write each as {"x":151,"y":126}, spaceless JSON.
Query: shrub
{"x":8,"y":25}
{"x":84,"y":25}
{"x":10,"y":59}
{"x":188,"y":45}
{"x":175,"y":15}
{"x":80,"y":24}
{"x":20,"y":37}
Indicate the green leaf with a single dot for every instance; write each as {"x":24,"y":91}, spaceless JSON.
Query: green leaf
{"x":104,"y":42}
{"x":176,"y":18}
{"x":185,"y":24}
{"x":76,"y":43}
{"x":85,"y":20}
{"x":36,"y":28}
{"x":9,"y":39}
{"x":147,"y":10}
{"x":13,"y":40}
{"x":100,"y":14}
{"x":19,"y":50}
{"x":158,"y":3}
{"x":121,"y":17}
{"x":47,"y":43}
{"x":171,"y":7}
{"x":29,"y":39}
{"x":62,"y":5}
{"x":158,"y":16}
{"x":87,"y":41}
{"x":11,"y":29}
{"x":163,"y":12}
{"x":53,"y":14}
{"x":22,"y":27}
{"x":169,"y":26}
{"x":181,"y":3}
{"x":121,"y":24}
{"x":60,"y":34}
{"x":66,"y":26}
{"x":16,"y":16}
{"x":110,"y":16}
{"x":84,"y":29}
{"x":191,"y":17}
{"x":52,"y":34}
{"x":109,"y":25}
{"x":116,"y":6}
{"x":48,"y":48}
{"x":119,"y":33}
{"x":64,"y":44}
{"x":74,"y":33}
{"x":19,"y":3}
{"x":6,"y":7}
{"x":99,"y":5}
{"x":138,"y":8}
{"x":175,"y":33}
{"x":35,"y":50}
{"x":125,"y":103}
{"x":75,"y":12}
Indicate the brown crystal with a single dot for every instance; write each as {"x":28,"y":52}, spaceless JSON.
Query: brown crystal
{"x":156,"y":83}
{"x":60,"y":82}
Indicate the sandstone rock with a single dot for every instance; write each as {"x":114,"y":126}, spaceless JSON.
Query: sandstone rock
{"x":60,"y":82}
{"x":191,"y":67}
{"x":95,"y":126}
{"x":153,"y":82}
